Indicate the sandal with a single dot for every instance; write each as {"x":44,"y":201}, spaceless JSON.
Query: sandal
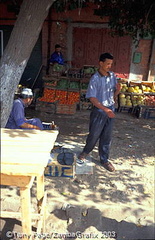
{"x":108,"y":166}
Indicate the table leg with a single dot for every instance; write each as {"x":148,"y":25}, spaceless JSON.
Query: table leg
{"x":41,"y":198}
{"x":40,"y":191}
{"x":26,"y":210}
{"x":40,"y":187}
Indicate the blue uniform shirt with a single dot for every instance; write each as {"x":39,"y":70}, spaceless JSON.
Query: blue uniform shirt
{"x":102,"y":88}
{"x":57,"y":58}
{"x":17,"y":115}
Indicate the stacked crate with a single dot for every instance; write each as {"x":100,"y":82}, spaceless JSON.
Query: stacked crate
{"x":58,"y":101}
{"x":66,"y":109}
{"x":138,"y":98}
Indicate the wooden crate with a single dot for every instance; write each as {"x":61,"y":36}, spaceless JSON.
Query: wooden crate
{"x":55,"y":169}
{"x":123,"y":80}
{"x":66,"y":108}
{"x":135,"y":83}
{"x":143,"y":84}
{"x":149,"y":84}
{"x":45,"y":107}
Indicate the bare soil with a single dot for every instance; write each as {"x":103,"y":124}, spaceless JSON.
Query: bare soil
{"x":101,"y":205}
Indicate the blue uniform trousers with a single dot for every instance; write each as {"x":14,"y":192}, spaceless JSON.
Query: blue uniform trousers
{"x":100,"y":128}
{"x":35,"y":121}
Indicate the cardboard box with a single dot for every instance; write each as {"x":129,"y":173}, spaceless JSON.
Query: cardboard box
{"x":55,"y":169}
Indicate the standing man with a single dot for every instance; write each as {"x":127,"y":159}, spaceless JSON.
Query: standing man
{"x":102,"y":92}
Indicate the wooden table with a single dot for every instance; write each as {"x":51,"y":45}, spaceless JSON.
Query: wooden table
{"x":24,"y":156}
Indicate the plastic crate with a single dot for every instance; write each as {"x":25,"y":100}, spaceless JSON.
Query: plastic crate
{"x":144,"y":112}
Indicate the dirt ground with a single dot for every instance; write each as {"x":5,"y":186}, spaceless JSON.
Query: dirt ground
{"x":101,"y":205}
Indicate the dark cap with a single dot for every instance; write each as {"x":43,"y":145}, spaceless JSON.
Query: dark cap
{"x":105,"y":56}
{"x":57,"y":46}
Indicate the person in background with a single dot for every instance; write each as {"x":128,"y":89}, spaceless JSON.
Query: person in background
{"x":17,"y":119}
{"x":56,"y":62}
{"x":57,"y":56}
{"x":102,"y":92}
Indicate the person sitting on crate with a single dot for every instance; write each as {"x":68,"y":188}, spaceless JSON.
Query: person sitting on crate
{"x":56,"y":61}
{"x":17,"y":119}
{"x":57,"y":56}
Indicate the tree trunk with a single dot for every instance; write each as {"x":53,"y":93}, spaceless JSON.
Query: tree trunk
{"x":22,"y":40}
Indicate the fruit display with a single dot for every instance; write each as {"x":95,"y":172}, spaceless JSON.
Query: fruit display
{"x":61,"y":96}
{"x":72,"y":97}
{"x":138,"y":87}
{"x":137,"y":94}
{"x":71,"y":89}
{"x":124,"y":87}
{"x":48,"y":95}
{"x":138,"y":100}
{"x":147,"y":89}
{"x":125,"y":100}
{"x":84,"y":86}
{"x":62,"y":84}
{"x":150,"y":100}
{"x":74,"y":85}
{"x":130,"y":89}
{"x":87,"y":70}
{"x":134,"y":100}
{"x":134,"y":89}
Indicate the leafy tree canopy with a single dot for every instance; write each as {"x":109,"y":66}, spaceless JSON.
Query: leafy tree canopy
{"x":126,"y":17}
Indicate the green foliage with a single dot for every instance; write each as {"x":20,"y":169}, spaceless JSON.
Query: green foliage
{"x":59,"y":5}
{"x":62,"y":5}
{"x":126,"y":17}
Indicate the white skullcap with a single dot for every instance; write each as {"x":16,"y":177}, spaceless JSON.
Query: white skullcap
{"x":27,"y":91}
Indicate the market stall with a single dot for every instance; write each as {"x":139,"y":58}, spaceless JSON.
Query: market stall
{"x":137,"y":97}
{"x":64,"y":93}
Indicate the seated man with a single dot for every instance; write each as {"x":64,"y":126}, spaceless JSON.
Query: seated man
{"x":57,"y":56}
{"x":17,"y":118}
{"x":56,"y":62}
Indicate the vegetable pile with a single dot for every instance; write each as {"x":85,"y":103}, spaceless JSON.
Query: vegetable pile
{"x":63,"y":97}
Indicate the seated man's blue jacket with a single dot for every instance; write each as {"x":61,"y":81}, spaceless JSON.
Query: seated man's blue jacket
{"x":57,"y":58}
